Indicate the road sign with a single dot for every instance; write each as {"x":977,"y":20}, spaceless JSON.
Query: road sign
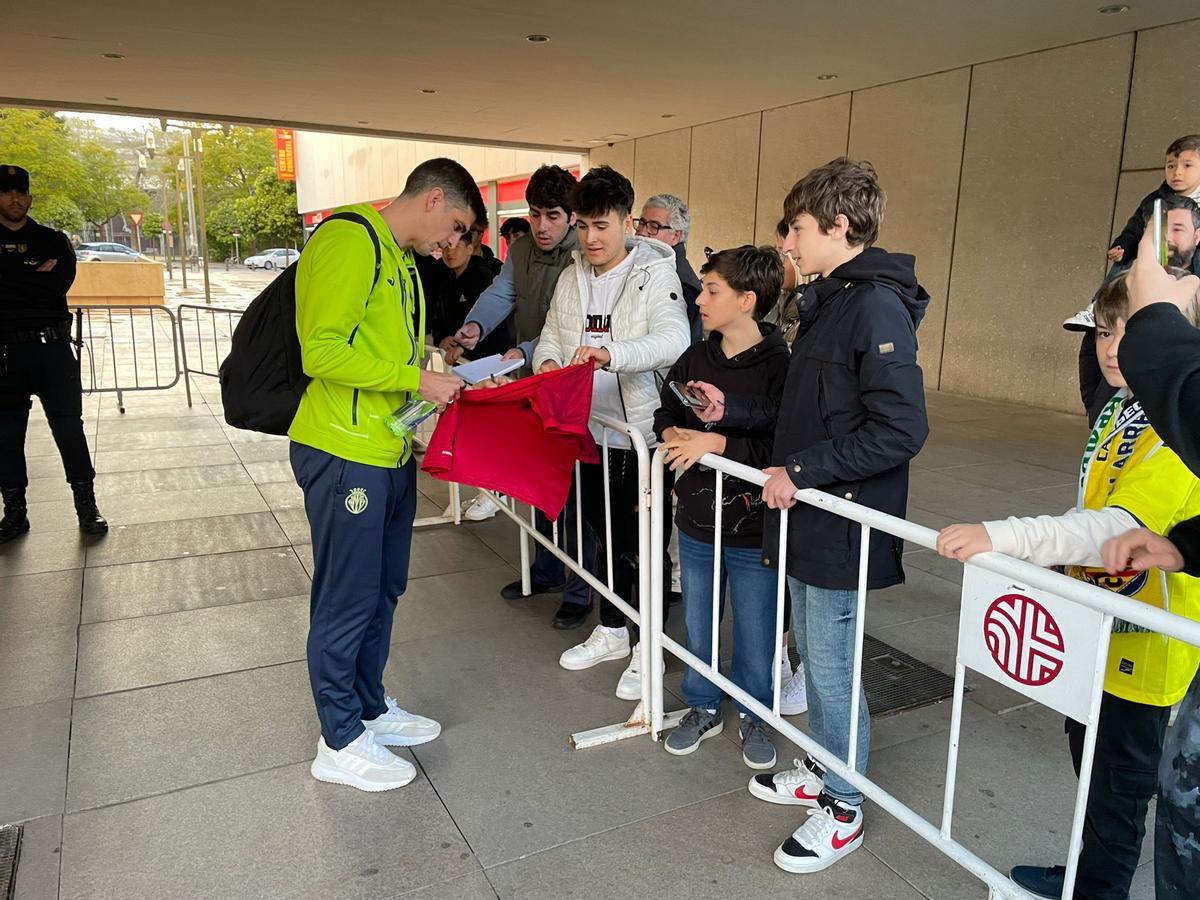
{"x":236,"y":232}
{"x":135,"y":218}
{"x":1031,"y":641}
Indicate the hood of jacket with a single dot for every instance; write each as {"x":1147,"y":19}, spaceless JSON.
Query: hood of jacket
{"x":772,"y":344}
{"x":892,"y":270}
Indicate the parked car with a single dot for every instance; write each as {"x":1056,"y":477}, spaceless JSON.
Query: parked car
{"x":277,"y":258}
{"x":104,"y":252}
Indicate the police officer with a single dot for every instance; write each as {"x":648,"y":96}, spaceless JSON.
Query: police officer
{"x":37,"y":268}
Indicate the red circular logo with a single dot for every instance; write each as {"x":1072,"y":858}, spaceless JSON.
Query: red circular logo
{"x":1024,"y":639}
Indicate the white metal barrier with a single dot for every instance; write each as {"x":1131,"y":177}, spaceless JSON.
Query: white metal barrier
{"x":1059,"y":589}
{"x":639,"y":722}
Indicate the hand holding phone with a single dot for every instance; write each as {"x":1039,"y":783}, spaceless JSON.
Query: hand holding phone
{"x":688,"y":396}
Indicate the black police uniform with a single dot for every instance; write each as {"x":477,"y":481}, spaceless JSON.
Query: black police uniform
{"x":36,"y":359}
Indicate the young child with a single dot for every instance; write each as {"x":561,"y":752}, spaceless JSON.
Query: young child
{"x":1128,"y":479}
{"x":741,"y":356}
{"x":851,"y":417}
{"x":620,"y":305}
{"x":1182,"y":178}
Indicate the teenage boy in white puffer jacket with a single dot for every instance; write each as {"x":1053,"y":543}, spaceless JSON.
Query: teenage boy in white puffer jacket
{"x":622,"y":306}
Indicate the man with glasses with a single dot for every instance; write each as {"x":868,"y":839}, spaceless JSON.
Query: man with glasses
{"x":666,"y":218}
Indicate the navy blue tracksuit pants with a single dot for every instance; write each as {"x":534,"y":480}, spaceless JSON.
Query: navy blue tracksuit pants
{"x":361,"y":519}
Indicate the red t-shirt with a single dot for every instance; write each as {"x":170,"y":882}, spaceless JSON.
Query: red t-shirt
{"x":521,"y":439}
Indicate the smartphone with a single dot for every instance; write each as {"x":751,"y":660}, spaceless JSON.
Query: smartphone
{"x":1158,"y":224}
{"x":689,"y":396}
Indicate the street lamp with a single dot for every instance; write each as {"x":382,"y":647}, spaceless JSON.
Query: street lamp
{"x":196,"y":220}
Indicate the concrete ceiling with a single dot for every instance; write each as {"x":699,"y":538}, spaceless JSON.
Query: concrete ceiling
{"x":611,"y":70}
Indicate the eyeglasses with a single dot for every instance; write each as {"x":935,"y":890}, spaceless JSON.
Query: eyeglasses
{"x":650,"y":226}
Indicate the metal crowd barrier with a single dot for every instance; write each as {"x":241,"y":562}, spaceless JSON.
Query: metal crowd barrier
{"x":212,"y":340}
{"x":640,"y":721}
{"x":1080,"y":616}
{"x":116,"y":332}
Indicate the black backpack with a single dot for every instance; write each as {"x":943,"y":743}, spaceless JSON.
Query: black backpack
{"x":262,"y":378}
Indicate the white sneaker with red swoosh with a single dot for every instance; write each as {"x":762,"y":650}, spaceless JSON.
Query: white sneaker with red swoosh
{"x":833,"y":829}
{"x":794,"y":787}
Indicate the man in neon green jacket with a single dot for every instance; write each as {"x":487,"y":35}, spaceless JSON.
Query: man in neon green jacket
{"x":361,"y":341}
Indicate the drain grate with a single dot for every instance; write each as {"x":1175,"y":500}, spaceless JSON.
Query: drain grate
{"x":10,"y":852}
{"x":895,"y":681}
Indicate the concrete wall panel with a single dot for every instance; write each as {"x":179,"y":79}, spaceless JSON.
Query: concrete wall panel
{"x":912,"y":132}
{"x":1033,"y":217}
{"x":723,"y":184}
{"x":661,"y":165}
{"x":619,"y":156}
{"x":796,"y":139}
{"x":1162,"y":104}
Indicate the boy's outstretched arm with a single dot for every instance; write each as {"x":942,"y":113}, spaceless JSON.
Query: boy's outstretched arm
{"x":1072,"y":539}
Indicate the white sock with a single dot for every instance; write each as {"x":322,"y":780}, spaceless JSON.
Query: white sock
{"x":621,"y":632}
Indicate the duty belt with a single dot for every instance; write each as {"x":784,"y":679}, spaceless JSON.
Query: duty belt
{"x":50,"y":334}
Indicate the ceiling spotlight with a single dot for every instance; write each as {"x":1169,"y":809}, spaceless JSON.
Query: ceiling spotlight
{"x":113,"y":55}
{"x":827,"y":77}
{"x":428,"y":91}
{"x":668,"y":115}
{"x":364,"y":122}
{"x":1115,"y":9}
{"x":538,"y":38}
{"x":114,"y":99}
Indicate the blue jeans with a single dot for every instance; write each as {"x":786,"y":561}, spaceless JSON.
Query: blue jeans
{"x":361,"y":520}
{"x":548,"y":569}
{"x":752,"y":598}
{"x":823,"y":627}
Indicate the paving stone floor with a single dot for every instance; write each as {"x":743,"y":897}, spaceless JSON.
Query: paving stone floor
{"x":156,"y":724}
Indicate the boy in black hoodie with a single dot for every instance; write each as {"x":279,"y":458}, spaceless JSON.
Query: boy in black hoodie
{"x":742,"y":356}
{"x":851,"y":418}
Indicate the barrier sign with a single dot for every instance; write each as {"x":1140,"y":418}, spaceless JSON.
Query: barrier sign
{"x":1032,"y":642}
{"x":285,"y":154}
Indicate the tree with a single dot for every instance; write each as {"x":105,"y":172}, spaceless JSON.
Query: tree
{"x":152,"y":224}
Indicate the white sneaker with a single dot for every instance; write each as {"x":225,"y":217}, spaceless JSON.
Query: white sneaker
{"x":480,"y":509}
{"x":830,"y":833}
{"x":793,"y":694}
{"x":599,"y":647}
{"x":398,"y":728}
{"x":800,"y":786}
{"x":362,"y":764}
{"x":629,"y":686}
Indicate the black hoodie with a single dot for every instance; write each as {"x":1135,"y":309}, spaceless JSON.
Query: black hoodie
{"x":761,"y":370}
{"x":852,"y":416}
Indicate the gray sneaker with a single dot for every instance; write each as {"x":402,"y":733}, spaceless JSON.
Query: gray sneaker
{"x":757,"y":750}
{"x":696,"y":725}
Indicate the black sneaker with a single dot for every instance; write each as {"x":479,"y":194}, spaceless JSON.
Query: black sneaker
{"x":571,"y":615}
{"x":1041,"y":881}
{"x":513,"y":591}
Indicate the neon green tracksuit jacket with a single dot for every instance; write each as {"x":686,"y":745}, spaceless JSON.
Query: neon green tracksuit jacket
{"x":361,"y":347}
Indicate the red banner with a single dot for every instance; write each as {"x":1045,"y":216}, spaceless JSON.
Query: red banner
{"x":285,"y":154}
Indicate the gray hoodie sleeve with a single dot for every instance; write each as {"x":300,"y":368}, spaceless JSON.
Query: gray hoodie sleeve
{"x":496,"y":303}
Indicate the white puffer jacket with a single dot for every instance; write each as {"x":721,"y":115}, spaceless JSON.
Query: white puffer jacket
{"x":649,"y":327}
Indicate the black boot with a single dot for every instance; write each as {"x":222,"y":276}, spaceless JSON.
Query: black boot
{"x":90,"y":520}
{"x":15,"y":521}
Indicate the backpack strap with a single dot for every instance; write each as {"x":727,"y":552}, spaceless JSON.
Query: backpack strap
{"x":361,"y":220}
